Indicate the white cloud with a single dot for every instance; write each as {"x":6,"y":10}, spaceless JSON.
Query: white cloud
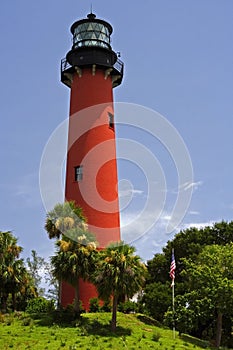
{"x":188,"y":185}
{"x":133,"y":227}
{"x":166,"y":217}
{"x":136,"y":232}
{"x":198,"y":225}
{"x":129,"y":192}
{"x":194,"y":185}
{"x":193,"y":212}
{"x":149,"y":242}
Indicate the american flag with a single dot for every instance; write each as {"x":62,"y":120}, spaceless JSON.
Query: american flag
{"x":173,"y":268}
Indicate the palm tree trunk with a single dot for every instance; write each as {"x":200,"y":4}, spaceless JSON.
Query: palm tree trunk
{"x":219,"y":330}
{"x":4,"y":302}
{"x":59,"y":294}
{"x":13,"y":301}
{"x":76,"y":299}
{"x":114,"y":314}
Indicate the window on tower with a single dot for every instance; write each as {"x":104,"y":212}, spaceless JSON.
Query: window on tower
{"x":78,"y":173}
{"x":111,"y":120}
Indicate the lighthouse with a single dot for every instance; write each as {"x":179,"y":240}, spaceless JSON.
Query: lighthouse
{"x":91,"y":70}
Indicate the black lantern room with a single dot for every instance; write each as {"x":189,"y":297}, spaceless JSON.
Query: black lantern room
{"x":92,"y":32}
{"x":91,"y":46}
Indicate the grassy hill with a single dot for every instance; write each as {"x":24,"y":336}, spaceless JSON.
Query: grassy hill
{"x":20,"y":331}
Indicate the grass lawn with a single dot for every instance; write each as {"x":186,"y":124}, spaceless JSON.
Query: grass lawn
{"x":22,"y":332}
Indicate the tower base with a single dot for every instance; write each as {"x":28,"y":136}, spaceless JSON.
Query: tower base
{"x":87,"y":291}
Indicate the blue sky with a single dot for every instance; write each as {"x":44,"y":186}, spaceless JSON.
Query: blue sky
{"x":178,"y":62}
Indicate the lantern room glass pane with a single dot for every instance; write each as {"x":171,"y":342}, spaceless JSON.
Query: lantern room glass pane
{"x":91,"y":34}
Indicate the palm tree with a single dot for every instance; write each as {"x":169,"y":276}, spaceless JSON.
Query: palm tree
{"x":76,"y":251}
{"x":120,"y":273}
{"x":74,"y":260}
{"x":18,"y":282}
{"x":63,"y":218}
{"x":10,"y":266}
{"x":14,"y":277}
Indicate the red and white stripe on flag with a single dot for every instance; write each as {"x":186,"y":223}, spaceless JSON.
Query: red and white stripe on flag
{"x":173,"y":267}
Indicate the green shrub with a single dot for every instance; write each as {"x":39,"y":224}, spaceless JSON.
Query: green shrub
{"x":67,"y":315}
{"x":94,"y":305}
{"x":40,"y":305}
{"x":128,"y":307}
{"x":106,"y":306}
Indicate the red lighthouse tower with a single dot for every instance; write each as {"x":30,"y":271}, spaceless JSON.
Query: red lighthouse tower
{"x":91,"y":70}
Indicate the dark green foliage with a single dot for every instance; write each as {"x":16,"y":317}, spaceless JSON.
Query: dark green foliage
{"x":40,"y":305}
{"x":192,"y":314}
{"x":187,"y":244}
{"x":156,"y":299}
{"x":76,"y":247}
{"x":16,"y":285}
{"x":211,"y":276}
{"x":63,"y":219}
{"x":106,"y":306}
{"x":197,"y":305}
{"x":68,"y":315}
{"x":128,"y":307}
{"x":94,"y":305}
{"x":119,"y":274}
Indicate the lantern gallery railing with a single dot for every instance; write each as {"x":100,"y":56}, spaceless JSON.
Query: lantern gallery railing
{"x":118,"y":66}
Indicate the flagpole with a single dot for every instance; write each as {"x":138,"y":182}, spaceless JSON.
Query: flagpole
{"x":173,"y":308}
{"x":173,"y":294}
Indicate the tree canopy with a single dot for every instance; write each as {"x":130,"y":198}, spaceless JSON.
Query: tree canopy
{"x":211,"y":275}
{"x":15,"y":281}
{"x":200,"y":255}
{"x":76,"y":246}
{"x":119,"y":274}
{"x":65,"y":219}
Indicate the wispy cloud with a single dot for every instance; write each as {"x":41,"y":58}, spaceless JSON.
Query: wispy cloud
{"x":199,"y":225}
{"x":193,"y":212}
{"x":147,"y":230}
{"x":152,"y":240}
{"x":147,"y":233}
{"x":135,"y":225}
{"x":166,"y":217}
{"x":188,"y":185}
{"x":129,"y":192}
{"x":194,"y":185}
{"x":26,"y":189}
